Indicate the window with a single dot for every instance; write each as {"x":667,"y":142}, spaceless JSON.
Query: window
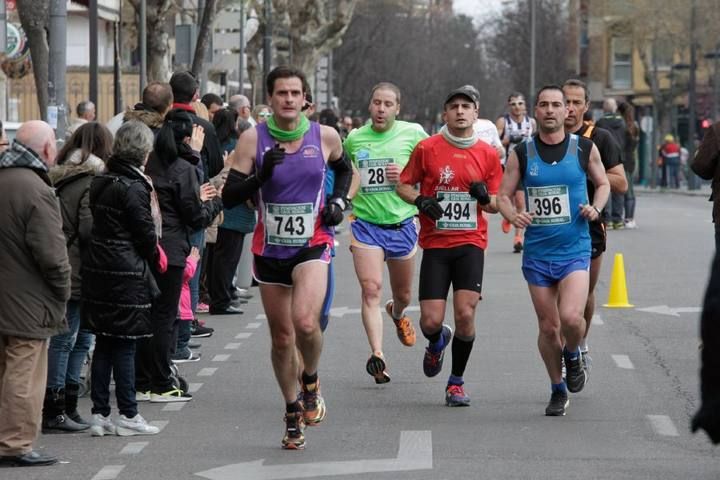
{"x":621,"y":55}
{"x":663,"y":52}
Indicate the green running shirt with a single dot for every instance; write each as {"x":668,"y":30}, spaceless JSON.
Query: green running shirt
{"x":376,"y":200}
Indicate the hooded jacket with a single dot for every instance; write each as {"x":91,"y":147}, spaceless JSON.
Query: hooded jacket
{"x":35,"y":271}
{"x":146,"y":115}
{"x":72,"y":186}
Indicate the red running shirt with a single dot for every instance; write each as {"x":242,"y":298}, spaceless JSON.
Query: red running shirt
{"x":446,"y":172}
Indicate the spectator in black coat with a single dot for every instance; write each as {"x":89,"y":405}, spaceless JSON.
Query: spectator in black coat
{"x":172,"y":169}
{"x":118,"y":286}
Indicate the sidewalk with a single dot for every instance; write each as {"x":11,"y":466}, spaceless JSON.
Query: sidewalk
{"x":703,"y":191}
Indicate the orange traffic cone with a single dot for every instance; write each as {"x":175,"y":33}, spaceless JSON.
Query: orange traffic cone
{"x":618,"y":297}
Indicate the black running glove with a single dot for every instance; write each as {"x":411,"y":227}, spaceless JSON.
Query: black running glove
{"x":271,"y":158}
{"x":429,"y":206}
{"x":332,"y":213}
{"x":479,"y":191}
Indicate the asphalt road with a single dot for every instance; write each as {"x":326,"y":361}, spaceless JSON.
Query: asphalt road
{"x":630,"y":422}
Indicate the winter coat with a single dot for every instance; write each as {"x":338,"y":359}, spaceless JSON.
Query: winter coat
{"x":707,"y":165}
{"x":212,"y":153}
{"x":145,"y":115}
{"x":178,"y":192}
{"x":34,"y":271}
{"x":118,"y":287}
{"x":72,"y":186}
{"x":615,"y":124}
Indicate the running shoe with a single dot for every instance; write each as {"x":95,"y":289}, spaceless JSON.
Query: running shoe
{"x":558,"y":403}
{"x":313,"y":404}
{"x":101,"y":425}
{"x":174,"y":395}
{"x":294,"y":438}
{"x":630,"y":224}
{"x":403,"y":326}
{"x":189,"y":357}
{"x":587,"y":360}
{"x":375,"y":366}
{"x":142,"y":396}
{"x":455,"y":396}
{"x":433,"y":361}
{"x":576,"y":374}
{"x":506,"y":226}
{"x":202,"y":308}
{"x":135,"y":426}
{"x":201,"y":331}
{"x":517,"y":244}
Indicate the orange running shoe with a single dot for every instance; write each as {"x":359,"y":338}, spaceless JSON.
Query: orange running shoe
{"x":294,"y":438}
{"x":517,"y":244}
{"x":403,"y":326}
{"x":313,"y":404}
{"x":506,"y":226}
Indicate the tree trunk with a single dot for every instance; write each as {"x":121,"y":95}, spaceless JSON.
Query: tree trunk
{"x":35,"y":18}
{"x":203,"y":40}
{"x":158,"y":45}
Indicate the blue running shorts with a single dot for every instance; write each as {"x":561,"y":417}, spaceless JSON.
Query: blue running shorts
{"x":545,"y":273}
{"x":398,"y":241}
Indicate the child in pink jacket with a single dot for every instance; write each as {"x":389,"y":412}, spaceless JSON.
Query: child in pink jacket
{"x":185,"y":314}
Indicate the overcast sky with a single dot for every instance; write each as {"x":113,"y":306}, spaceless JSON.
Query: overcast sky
{"x":473,"y":8}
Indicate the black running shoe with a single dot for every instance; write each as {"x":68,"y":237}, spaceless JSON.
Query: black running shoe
{"x":576,"y":374}
{"x":201,"y":331}
{"x":558,"y":403}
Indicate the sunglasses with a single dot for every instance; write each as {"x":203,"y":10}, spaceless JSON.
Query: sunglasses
{"x":264,"y":114}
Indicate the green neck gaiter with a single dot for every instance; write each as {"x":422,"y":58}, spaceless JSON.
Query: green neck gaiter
{"x":288,"y":135}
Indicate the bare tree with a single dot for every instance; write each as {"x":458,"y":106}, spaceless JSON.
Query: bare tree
{"x":35,"y":18}
{"x":303,"y":31}
{"x":158,"y":38}
{"x":425,"y":53}
{"x":206,"y":24}
{"x":509,"y":43}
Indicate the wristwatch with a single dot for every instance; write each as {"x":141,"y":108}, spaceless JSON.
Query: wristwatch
{"x":596,"y":209}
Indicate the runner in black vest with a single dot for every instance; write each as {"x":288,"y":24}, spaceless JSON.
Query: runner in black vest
{"x":576,"y":95}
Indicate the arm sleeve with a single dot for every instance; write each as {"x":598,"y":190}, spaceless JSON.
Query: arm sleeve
{"x":140,"y":222}
{"x":46,"y":242}
{"x":239,"y":188}
{"x":343,"y":176}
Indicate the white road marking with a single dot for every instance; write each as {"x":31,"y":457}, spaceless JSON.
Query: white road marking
{"x":174,"y":407}
{"x":663,"y":425}
{"x":221,"y":358}
{"x":623,"y":361}
{"x":597,"y":320}
{"x":414,"y":453}
{"x":253,"y":325}
{"x":206,"y":372}
{"x":108,"y":472}
{"x":242,"y":335}
{"x":261,"y":316}
{"x":133,"y":448}
{"x":233,"y":346}
{"x":194,"y":387}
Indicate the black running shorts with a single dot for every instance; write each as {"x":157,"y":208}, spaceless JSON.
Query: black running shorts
{"x":460,"y":266}
{"x":276,"y":271}
{"x":598,"y":239}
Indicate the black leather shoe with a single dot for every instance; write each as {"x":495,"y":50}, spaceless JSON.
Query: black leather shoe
{"x":30,"y":459}
{"x":231,"y":310}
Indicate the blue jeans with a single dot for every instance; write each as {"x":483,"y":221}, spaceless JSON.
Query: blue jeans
{"x":67,"y":351}
{"x":183,"y":338}
{"x":197,"y":239}
{"x":117,"y":356}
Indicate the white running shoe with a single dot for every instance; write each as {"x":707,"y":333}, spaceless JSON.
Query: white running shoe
{"x":100,"y":426}
{"x":142,"y":396}
{"x":174,"y":395}
{"x":135,"y":426}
